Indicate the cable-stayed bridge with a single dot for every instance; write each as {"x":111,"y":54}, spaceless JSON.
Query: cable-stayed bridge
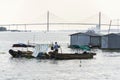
{"x":97,"y":19}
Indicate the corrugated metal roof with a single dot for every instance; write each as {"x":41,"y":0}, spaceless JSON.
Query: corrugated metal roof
{"x":117,"y":34}
{"x":87,"y":33}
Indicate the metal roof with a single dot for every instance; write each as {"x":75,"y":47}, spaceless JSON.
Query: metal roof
{"x":87,"y":33}
{"x":117,"y":34}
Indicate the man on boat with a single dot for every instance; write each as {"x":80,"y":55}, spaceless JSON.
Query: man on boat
{"x":56,"y":46}
{"x":54,"y":49}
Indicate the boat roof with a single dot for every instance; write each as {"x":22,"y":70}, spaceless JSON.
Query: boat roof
{"x":22,"y":45}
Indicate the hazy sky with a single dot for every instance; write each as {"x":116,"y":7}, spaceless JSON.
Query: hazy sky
{"x":32,"y":11}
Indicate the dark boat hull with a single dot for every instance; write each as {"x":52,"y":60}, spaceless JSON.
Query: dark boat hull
{"x":62,"y":56}
{"x":74,"y":56}
{"x":17,"y":54}
{"x":51,"y":55}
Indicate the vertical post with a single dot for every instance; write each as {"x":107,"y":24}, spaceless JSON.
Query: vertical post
{"x":99,"y":21}
{"x":48,"y":21}
{"x":109,"y":26}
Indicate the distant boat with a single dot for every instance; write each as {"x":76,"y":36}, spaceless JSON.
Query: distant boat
{"x":19,"y":30}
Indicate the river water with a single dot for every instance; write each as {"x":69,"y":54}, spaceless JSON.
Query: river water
{"x":104,"y":66}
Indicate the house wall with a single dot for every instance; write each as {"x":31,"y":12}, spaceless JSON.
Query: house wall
{"x":95,"y":40}
{"x":111,"y":42}
{"x":83,"y":39}
{"x":80,"y":39}
{"x":114,"y":41}
{"x":104,"y":42}
{"x":73,"y":40}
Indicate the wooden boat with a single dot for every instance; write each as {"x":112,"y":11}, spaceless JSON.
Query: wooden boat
{"x":51,"y":55}
{"x":21,"y":53}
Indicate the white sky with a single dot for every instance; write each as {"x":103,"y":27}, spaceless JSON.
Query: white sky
{"x":30,"y":11}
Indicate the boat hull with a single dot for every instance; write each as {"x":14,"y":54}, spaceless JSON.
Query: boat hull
{"x":51,"y":55}
{"x":74,"y":56}
{"x":17,"y":54}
